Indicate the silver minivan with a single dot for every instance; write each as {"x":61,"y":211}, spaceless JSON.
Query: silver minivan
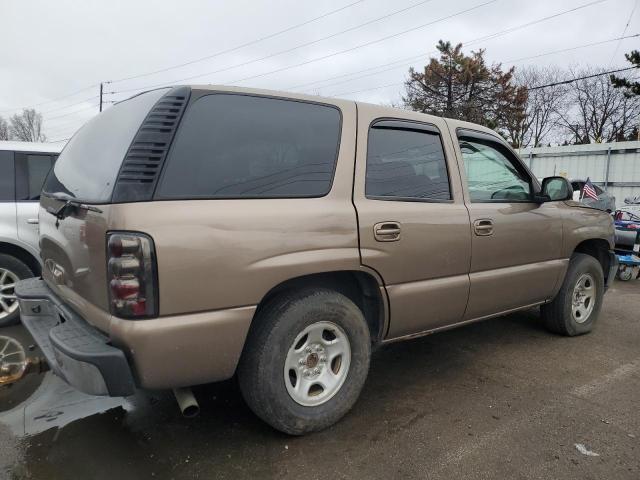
{"x":23,"y":169}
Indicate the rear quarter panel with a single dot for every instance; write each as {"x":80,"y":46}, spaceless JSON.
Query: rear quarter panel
{"x":215,"y":254}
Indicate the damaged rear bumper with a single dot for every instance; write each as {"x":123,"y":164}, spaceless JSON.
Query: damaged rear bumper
{"x":75,"y":351}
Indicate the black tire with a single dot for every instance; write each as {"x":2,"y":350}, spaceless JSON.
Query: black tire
{"x":624,"y":275}
{"x":558,"y":314}
{"x":20,"y":270}
{"x":260,"y":372}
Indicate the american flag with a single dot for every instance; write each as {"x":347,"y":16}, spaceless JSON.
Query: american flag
{"x":589,"y":191}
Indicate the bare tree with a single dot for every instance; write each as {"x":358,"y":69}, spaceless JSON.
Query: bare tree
{"x":597,"y":111}
{"x":542,"y":105}
{"x":4,"y":129}
{"x":27,"y":126}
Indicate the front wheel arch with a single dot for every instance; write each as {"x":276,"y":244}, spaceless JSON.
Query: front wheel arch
{"x":597,"y":248}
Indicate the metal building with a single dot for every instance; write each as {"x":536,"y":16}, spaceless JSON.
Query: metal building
{"x":613,"y":166}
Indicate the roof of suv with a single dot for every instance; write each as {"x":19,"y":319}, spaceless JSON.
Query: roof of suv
{"x":31,"y":147}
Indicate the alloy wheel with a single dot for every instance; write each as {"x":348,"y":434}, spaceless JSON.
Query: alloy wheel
{"x":8,"y":300}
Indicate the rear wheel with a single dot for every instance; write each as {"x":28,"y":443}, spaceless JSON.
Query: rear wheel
{"x":305,"y":361}
{"x":11,"y":271}
{"x":576,"y":307}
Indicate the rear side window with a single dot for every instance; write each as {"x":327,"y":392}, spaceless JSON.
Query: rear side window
{"x":31,"y":172}
{"x":88,"y":166}
{"x":7,"y":176}
{"x":240,"y":146}
{"x":405,"y":163}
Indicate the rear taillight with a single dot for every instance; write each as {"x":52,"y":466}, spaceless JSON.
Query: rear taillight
{"x":131,"y":267}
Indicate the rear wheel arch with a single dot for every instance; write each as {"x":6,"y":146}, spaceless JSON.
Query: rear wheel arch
{"x":23,"y":255}
{"x":362,"y":288}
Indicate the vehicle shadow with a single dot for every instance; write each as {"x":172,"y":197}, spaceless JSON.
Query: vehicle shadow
{"x":145,"y":435}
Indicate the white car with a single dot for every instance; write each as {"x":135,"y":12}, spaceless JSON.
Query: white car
{"x":23,"y":169}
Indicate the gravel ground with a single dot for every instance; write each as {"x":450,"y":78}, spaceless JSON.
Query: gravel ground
{"x":497,"y":399}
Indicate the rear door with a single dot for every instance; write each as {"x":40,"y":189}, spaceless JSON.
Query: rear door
{"x":413,"y":224}
{"x":31,"y":172}
{"x":516,"y":243}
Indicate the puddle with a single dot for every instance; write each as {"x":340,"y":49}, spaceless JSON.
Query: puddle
{"x":55,"y":404}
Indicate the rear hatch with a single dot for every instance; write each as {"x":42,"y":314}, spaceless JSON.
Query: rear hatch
{"x":89,"y":176}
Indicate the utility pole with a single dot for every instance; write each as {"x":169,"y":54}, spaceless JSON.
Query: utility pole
{"x":101,"y":86}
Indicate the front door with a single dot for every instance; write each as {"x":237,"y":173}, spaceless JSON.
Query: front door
{"x":516,"y":243}
{"x":413,"y":224}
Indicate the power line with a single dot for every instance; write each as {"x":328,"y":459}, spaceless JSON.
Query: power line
{"x":368,"y":89}
{"x":487,"y":37}
{"x":71,"y":113}
{"x":571,"y":80}
{"x":635,"y":4}
{"x":534,"y":22}
{"x":410,"y":60}
{"x":50,"y":101}
{"x":403,"y":63}
{"x":233,"y":49}
{"x":281,"y":52}
{"x":366,"y":44}
{"x":538,"y":87}
{"x":572,"y":48}
{"x":187,"y":63}
{"x":69,"y":106}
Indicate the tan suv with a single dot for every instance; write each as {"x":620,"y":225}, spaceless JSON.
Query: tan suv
{"x":195,"y":233}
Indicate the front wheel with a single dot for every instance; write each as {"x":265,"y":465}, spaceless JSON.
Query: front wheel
{"x":305,"y":361}
{"x":577,"y":305}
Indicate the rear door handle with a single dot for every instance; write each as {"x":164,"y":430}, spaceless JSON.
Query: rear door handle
{"x":483,"y":227}
{"x":387,"y":231}
{"x":32,"y":221}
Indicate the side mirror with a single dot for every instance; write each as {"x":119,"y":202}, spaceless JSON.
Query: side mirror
{"x":555,"y":189}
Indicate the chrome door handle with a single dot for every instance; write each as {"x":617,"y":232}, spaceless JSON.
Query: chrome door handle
{"x":32,"y":221}
{"x":387,"y":231}
{"x":483,"y":227}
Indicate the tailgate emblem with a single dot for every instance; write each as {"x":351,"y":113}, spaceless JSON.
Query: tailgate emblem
{"x":57,"y":272}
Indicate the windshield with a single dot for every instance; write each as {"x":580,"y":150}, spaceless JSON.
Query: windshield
{"x":88,"y":166}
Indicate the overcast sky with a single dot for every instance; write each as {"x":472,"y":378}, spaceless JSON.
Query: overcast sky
{"x":55,"y":48}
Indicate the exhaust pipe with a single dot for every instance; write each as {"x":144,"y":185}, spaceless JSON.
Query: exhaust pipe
{"x":187,"y":402}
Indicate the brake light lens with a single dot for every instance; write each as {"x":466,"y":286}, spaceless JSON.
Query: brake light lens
{"x":132,"y":271}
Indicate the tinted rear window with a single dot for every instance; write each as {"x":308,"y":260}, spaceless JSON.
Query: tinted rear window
{"x":239,"y":146}
{"x":88,"y":166}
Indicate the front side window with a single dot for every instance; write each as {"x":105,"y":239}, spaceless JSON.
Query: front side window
{"x":241,"y":146}
{"x":405,"y":164}
{"x":493,"y":175}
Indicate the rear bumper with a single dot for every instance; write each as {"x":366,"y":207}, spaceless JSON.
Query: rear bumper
{"x":75,"y":351}
{"x":160,"y":353}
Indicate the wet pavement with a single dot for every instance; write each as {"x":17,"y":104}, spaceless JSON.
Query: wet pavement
{"x":497,"y":399}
